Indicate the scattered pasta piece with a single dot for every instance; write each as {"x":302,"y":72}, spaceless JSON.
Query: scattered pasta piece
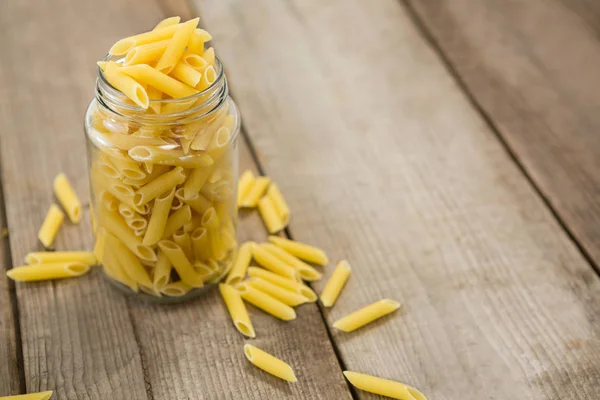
{"x":366,"y":315}
{"x":68,"y":198}
{"x":288,"y":297}
{"x":41,"y":272}
{"x":30,"y":396}
{"x":303,"y":251}
{"x":279,"y":202}
{"x":269,"y":215}
{"x":335,"y":284}
{"x":237,"y":310}
{"x":269,"y":363}
{"x":85,"y":257}
{"x":255,"y":192}
{"x":265,"y":302}
{"x":283,"y":282}
{"x":51,"y":225}
{"x":272,"y":263}
{"x":240,"y":265}
{"x":306,"y":272}
{"x":245,"y":182}
{"x":383,"y":387}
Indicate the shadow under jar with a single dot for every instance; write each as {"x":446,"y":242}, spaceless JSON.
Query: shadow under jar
{"x":163,"y":189}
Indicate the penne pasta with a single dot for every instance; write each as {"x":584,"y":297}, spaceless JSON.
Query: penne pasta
{"x":113,"y":267}
{"x":210,"y":221}
{"x":167,"y":22}
{"x":237,"y":310}
{"x":199,"y":204}
{"x":272,"y":263}
{"x":183,"y":240}
{"x":100,"y":245}
{"x":186,"y":74}
{"x":176,"y":289}
{"x":126,"y":84}
{"x":31,"y":396}
{"x":160,"y":185}
{"x":162,"y":272}
{"x":194,"y":182}
{"x":194,"y":60}
{"x":245,"y":182}
{"x":269,"y":363}
{"x":303,"y":251}
{"x":256,"y":192}
{"x":269,"y":215}
{"x":156,"y":155}
{"x":335,"y":284}
{"x":158,"y":218}
{"x":366,"y":315}
{"x":305,"y":271}
{"x":51,"y":225}
{"x":126,"y":44}
{"x":144,"y":73}
{"x":84,"y":257}
{"x":155,"y":95}
{"x":383,"y":387}
{"x":182,"y":265}
{"x":279,"y":202}
{"x":196,"y":44}
{"x":209,"y":76}
{"x":285,"y":296}
{"x":209,"y":56}
{"x":283,"y":282}
{"x":240,"y":265}
{"x":219,"y":143}
{"x":129,"y":168}
{"x":200,"y":244}
{"x":146,"y":53}
{"x":68,"y":198}
{"x":266,"y":302}
{"x":157,"y":170}
{"x":177,"y":46}
{"x":40,"y":272}
{"x":176,"y":221}
{"x":130,"y":264}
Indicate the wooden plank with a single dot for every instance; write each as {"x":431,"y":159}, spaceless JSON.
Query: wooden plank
{"x":77,"y":336}
{"x":538,"y":86}
{"x":11,"y":368}
{"x":384,"y":162}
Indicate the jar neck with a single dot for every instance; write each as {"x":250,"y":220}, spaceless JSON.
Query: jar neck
{"x":170,"y":111}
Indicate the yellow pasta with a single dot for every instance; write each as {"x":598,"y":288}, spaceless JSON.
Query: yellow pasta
{"x":114,"y":224}
{"x":40,"y":272}
{"x":113,"y":267}
{"x":154,"y":94}
{"x":130,"y":264}
{"x":163,"y":184}
{"x":125,"y":166}
{"x":269,"y":215}
{"x":366,"y":315}
{"x":186,"y":74}
{"x":240,"y":265}
{"x":68,"y":199}
{"x":266,"y":302}
{"x":162,"y":272}
{"x":31,"y":396}
{"x":209,"y":56}
{"x":126,"y":84}
{"x":182,"y":265}
{"x":51,"y":225}
{"x":209,"y":76}
{"x":126,"y":44}
{"x":183,"y":240}
{"x":335,"y":284}
{"x":305,"y":271}
{"x":145,"y":53}
{"x":272,"y":263}
{"x":194,"y":60}
{"x":283,"y":282}
{"x":167,"y":22}
{"x":269,"y":363}
{"x":84,"y":257}
{"x":176,"y":46}
{"x":196,"y":44}
{"x":157,"y":170}
{"x":157,"y":155}
{"x":203,"y":139}
{"x":200,"y":244}
{"x":176,"y":221}
{"x":100,"y":245}
{"x":195,"y":181}
{"x":279,"y":202}
{"x":285,"y":296}
{"x":158,"y":218}
{"x":237,"y":310}
{"x":383,"y":387}
{"x":176,"y":289}
{"x":144,"y":73}
{"x":256,"y":192}
{"x":244,"y":184}
{"x":303,"y":251}
{"x":210,"y":221}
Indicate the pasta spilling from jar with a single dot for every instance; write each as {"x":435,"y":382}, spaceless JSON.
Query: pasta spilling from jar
{"x":163,"y":162}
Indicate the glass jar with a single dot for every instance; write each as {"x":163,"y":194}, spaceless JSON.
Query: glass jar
{"x":163,"y":185}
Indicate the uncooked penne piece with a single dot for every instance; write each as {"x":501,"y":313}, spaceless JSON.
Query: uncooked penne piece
{"x":160,"y":185}
{"x":113,"y":267}
{"x":145,"y":53}
{"x":272,"y":263}
{"x":85,"y":257}
{"x":126,"y":84}
{"x":130,"y":264}
{"x":176,"y":221}
{"x":186,"y":74}
{"x":167,"y":22}
{"x":209,"y":56}
{"x":306,"y":272}
{"x":256,"y":192}
{"x":265,"y":302}
{"x":240,"y":265}
{"x":383,"y":387}
{"x":335,"y":284}
{"x":162,"y":272}
{"x":270,"y":216}
{"x":51,"y":225}
{"x":177,"y":46}
{"x":195,"y":181}
{"x":158,"y":155}
{"x":245,"y":182}
{"x":279,"y":202}
{"x":182,"y":265}
{"x":198,"y":203}
{"x":194,"y":60}
{"x":144,"y":73}
{"x":196,"y":44}
{"x":31,"y":396}
{"x":68,"y":198}
{"x":285,"y":296}
{"x":40,"y":272}
{"x":176,"y":289}
{"x":366,"y":315}
{"x":126,"y":44}
{"x":283,"y":282}
{"x":182,"y":239}
{"x":114,"y":224}
{"x":219,"y":143}
{"x":237,"y":310}
{"x":100,"y":245}
{"x":269,"y":363}
{"x":158,"y":218}
{"x":211,"y":222}
{"x":303,"y":251}
{"x":200,"y":244}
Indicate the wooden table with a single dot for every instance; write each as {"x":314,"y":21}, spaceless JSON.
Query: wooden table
{"x":450,"y":149}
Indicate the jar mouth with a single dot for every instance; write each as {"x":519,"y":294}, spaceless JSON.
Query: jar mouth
{"x":200,"y":104}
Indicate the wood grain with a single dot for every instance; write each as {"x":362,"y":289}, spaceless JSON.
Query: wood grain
{"x":385,"y":162}
{"x":538,"y":85}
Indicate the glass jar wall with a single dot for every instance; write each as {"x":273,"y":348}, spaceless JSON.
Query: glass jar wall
{"x":163,"y":185}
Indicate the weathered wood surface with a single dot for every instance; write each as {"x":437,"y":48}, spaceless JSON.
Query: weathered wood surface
{"x":533,"y":68}
{"x":386,"y":163}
